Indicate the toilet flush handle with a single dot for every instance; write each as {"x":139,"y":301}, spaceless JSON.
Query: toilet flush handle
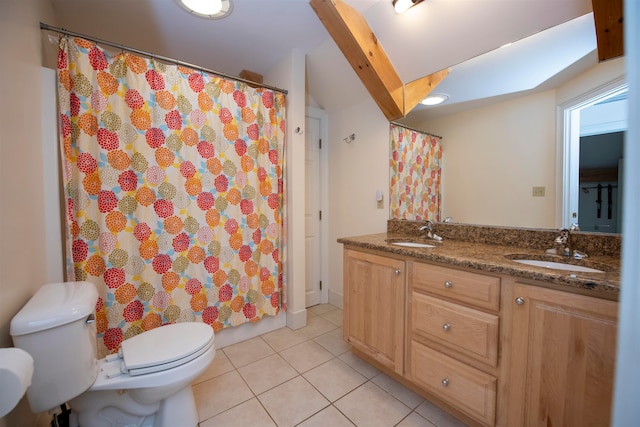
{"x":90,"y":319}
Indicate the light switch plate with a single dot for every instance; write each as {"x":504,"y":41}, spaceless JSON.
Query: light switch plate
{"x":538,"y":192}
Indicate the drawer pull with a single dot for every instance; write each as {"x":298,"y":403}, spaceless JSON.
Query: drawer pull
{"x":448,"y":284}
{"x":445,"y":382}
{"x":446,"y":327}
{"x":519,"y":300}
{"x":397,"y":272}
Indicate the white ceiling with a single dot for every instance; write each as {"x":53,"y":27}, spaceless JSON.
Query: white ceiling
{"x":433,"y":35}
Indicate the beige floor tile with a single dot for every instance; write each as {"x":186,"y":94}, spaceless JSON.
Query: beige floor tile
{"x":359,"y":365}
{"x":250,"y":413}
{"x":317,"y":326}
{"x":284,"y":338}
{"x":267,"y":373}
{"x":334,"y":317}
{"x":334,"y":379}
{"x":329,"y":416}
{"x":321,"y":309}
{"x":397,"y":390}
{"x":248,"y":351}
{"x":219,"y":394}
{"x":306,"y":355}
{"x":415,"y":420}
{"x":292,"y":402}
{"x":437,"y":416}
{"x":219,"y":366}
{"x":333,"y":342}
{"x":370,"y":406}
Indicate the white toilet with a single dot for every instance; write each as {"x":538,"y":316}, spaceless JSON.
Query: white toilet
{"x":147,"y":384}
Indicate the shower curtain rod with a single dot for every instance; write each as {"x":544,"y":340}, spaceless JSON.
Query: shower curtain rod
{"x":415,"y":130}
{"x":47,"y":27}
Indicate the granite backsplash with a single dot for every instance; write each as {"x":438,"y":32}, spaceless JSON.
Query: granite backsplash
{"x":595,"y":244}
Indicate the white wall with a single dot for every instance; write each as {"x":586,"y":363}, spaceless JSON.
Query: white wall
{"x":493,"y":156}
{"x":290,"y":74}
{"x":356,"y":171}
{"x":626,"y":411}
{"x":23,"y":259}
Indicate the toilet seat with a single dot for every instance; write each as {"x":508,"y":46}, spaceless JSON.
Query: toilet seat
{"x":161,"y":348}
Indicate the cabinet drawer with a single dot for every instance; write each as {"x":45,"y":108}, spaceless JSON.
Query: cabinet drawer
{"x":469,"y":390}
{"x":460,"y":328}
{"x":471,"y":288}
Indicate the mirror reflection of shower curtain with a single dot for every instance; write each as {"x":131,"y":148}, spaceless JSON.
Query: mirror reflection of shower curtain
{"x":415,"y":175}
{"x":174,"y":191}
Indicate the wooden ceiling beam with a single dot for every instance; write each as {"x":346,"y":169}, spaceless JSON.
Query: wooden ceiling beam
{"x":608,"y":17}
{"x":360,"y":46}
{"x":417,"y":90}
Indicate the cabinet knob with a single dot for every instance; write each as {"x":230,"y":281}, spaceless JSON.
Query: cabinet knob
{"x":446,"y":327}
{"x":448,"y":284}
{"x":445,"y":382}
{"x":398,"y":272}
{"x":519,"y":300}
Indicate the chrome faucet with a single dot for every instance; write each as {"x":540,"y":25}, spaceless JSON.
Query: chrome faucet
{"x":428,"y":227}
{"x":564,"y":243}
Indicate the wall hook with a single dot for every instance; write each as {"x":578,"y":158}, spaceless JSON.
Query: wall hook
{"x":298,"y":130}
{"x":350,"y":138}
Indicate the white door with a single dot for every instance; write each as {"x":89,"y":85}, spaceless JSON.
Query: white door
{"x":312,"y":212}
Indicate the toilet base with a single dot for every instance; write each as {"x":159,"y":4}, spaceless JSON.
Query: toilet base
{"x":117,"y":408}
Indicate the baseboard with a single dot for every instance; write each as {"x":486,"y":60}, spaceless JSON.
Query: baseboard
{"x":335,"y":299}
{"x":229,"y":336}
{"x":297,"y":320}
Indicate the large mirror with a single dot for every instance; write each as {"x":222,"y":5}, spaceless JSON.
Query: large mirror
{"x":506,"y":142}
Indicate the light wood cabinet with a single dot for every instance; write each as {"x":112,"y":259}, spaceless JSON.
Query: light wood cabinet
{"x":489,"y":349}
{"x":469,"y":390}
{"x":563,"y":358}
{"x":453,"y":337}
{"x":374,"y":307}
{"x":463,"y":329}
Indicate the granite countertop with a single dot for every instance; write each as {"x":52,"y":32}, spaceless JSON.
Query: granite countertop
{"x":493,"y":258}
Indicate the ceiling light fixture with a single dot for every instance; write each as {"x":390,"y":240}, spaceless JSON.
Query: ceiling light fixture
{"x":401,"y":6}
{"x":434,"y":99}
{"x":210,"y":9}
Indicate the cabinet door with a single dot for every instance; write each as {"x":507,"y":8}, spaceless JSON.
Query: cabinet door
{"x":563,"y":358}
{"x":374,"y":301}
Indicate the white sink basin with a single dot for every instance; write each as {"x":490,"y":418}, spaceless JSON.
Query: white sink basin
{"x":413,"y":244}
{"x":558,"y":265}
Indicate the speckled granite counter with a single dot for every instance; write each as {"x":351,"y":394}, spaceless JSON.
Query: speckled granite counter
{"x":492,"y":256}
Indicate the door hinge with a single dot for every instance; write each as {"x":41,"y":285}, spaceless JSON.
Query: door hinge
{"x":320,"y":215}
{"x":320,"y":284}
{"x":320,"y":144}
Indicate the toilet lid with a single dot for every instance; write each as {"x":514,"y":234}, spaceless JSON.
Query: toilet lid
{"x":165,"y":347}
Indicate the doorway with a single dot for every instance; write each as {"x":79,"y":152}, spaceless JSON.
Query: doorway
{"x":593,"y":131}
{"x":316,"y":288}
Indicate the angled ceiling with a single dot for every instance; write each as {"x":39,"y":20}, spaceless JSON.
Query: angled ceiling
{"x":434,"y":35}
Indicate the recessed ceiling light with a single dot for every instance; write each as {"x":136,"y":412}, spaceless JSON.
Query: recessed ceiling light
{"x":435,"y":99}
{"x":210,"y":9}
{"x":401,"y":6}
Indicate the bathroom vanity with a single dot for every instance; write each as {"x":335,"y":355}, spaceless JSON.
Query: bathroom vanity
{"x":492,"y":341}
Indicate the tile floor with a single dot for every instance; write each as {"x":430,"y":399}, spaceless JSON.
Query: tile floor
{"x":308,"y":377}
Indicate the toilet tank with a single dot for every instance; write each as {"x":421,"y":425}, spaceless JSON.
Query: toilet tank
{"x":57,"y":328}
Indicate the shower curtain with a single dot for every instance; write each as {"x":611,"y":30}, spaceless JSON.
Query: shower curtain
{"x":173,"y":180}
{"x":415,"y":174}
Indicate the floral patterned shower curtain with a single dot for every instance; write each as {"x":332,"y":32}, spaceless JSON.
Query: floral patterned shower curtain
{"x":415,"y":174}
{"x":174,"y":190}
